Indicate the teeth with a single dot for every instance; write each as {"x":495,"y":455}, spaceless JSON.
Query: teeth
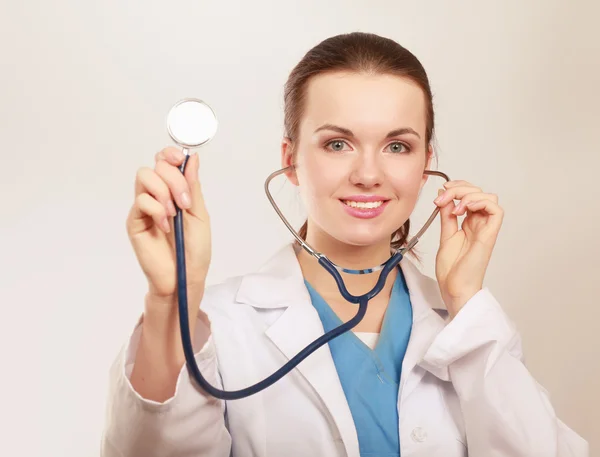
{"x":365,"y":205}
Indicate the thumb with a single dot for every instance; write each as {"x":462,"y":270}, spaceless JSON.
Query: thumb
{"x":448,"y":221}
{"x":198,"y":207}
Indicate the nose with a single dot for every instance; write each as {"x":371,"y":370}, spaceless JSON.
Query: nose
{"x":367,"y":170}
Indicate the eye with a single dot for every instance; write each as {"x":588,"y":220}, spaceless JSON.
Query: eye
{"x":335,"y":145}
{"x":397,"y":147}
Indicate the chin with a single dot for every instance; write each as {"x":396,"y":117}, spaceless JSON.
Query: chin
{"x":363,"y":238}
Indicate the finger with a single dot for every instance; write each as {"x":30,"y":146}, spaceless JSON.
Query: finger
{"x":457,"y":193}
{"x":176,"y":182}
{"x":460,"y":183}
{"x":198,"y":207}
{"x":448,"y":221}
{"x":146,"y":206}
{"x":475,"y":196}
{"x":492,"y":209}
{"x":489,"y":206}
{"x":172,"y":155}
{"x":147,"y":181}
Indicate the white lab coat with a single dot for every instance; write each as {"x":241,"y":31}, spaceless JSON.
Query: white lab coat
{"x":464,"y":389}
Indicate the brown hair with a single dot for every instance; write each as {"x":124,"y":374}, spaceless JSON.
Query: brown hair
{"x":361,"y":53}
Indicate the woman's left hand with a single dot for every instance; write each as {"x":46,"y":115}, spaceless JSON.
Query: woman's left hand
{"x":464,"y":253}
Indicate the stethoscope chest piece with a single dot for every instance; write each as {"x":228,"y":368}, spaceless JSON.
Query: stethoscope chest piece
{"x":191,"y":123}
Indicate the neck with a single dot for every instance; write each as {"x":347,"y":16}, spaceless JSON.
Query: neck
{"x":347,"y":256}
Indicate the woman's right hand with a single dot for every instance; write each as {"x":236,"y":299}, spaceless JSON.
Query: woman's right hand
{"x":150,"y":227}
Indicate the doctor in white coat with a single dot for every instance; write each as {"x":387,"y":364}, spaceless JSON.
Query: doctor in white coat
{"x":359,"y":122}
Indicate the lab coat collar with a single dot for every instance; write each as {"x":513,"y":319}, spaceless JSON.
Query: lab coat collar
{"x":282,"y":277}
{"x":276,"y":284}
{"x":279,"y":283}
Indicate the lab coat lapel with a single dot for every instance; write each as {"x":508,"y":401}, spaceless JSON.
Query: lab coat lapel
{"x":294,"y":330}
{"x":280,"y":284}
{"x":428,"y":309}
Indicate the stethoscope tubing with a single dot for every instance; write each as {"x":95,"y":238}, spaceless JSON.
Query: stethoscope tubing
{"x":186,"y":337}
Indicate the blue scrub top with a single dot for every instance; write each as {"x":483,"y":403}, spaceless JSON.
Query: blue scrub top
{"x":370,"y":378}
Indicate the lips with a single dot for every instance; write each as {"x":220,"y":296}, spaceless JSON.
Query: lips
{"x":364,"y":206}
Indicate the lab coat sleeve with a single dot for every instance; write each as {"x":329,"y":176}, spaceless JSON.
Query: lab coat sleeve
{"x":190,"y":423}
{"x":506,"y":412}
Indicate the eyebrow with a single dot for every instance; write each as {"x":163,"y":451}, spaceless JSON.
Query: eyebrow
{"x":348,"y":132}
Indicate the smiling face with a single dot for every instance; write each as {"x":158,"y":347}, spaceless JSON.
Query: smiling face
{"x":360,"y":155}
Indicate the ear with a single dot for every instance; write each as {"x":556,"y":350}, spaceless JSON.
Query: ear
{"x":287,"y":160}
{"x":427,"y":165}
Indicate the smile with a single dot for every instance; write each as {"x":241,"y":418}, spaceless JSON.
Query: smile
{"x":365,"y":207}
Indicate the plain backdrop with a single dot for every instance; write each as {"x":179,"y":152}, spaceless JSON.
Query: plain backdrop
{"x":84,"y":91}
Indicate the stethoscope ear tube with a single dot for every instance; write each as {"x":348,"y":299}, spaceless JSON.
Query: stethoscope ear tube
{"x":333,"y":269}
{"x":308,"y":248}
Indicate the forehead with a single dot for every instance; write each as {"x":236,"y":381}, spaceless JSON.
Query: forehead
{"x":364,"y":102}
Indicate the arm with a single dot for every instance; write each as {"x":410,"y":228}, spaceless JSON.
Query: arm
{"x":154,"y":408}
{"x":506,"y":412}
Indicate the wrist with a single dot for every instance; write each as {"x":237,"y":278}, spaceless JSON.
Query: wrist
{"x":161,"y":312}
{"x":455,"y":304}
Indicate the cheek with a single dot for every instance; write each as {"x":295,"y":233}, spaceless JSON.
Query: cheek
{"x":318,"y":179}
{"x":406,"y":181}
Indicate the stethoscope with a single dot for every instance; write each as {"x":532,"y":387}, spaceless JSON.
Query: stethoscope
{"x":192,"y":123}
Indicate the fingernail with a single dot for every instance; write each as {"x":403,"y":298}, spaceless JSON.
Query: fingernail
{"x":185,"y":200}
{"x":440,"y":197}
{"x":166,"y":226}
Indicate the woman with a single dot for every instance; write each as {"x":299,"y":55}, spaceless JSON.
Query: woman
{"x":434,"y":369}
